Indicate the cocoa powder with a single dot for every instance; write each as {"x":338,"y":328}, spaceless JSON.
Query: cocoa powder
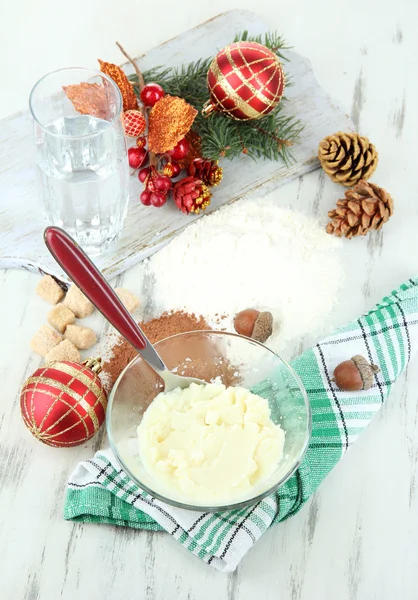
{"x":155,"y":330}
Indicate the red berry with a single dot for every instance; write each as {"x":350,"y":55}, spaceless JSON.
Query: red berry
{"x":141,"y":141}
{"x":162,"y":183}
{"x":176,"y":168}
{"x":181,"y":150}
{"x":136,"y":157}
{"x":157,"y":199}
{"x":143,"y":174}
{"x":151,"y":93}
{"x":145,"y":198}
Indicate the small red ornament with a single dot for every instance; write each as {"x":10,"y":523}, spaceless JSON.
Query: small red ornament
{"x":162,"y":183}
{"x":63,"y":403}
{"x":141,"y":142}
{"x":181,"y":150}
{"x":143,"y":174}
{"x":135,"y":123}
{"x":191,"y":195}
{"x":245,"y":81}
{"x":145,"y":198}
{"x":171,"y":169}
{"x":151,"y":93}
{"x":158,"y":199}
{"x":136,"y":157}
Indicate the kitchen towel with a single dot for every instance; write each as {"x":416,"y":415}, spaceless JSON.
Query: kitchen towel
{"x":100,"y":492}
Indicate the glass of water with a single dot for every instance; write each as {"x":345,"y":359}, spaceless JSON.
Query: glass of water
{"x":81,"y":154}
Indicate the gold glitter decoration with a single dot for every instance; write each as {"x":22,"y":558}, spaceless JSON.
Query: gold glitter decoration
{"x":88,"y":99}
{"x":170,"y":120}
{"x":126,"y":88}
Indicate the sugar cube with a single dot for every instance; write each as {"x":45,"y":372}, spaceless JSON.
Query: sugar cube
{"x":128,"y":299}
{"x":78,"y":303}
{"x":49,"y":290}
{"x":81,"y":337}
{"x":64,"y":351}
{"x":60,"y":316}
{"x":44,"y":340}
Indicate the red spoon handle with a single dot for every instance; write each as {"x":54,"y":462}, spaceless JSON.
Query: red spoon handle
{"x":91,"y":282}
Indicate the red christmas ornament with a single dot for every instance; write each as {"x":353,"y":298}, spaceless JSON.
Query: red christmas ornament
{"x":245,"y":81}
{"x":143,"y":174}
{"x":63,"y":403}
{"x":158,"y":199}
{"x":136,"y":157}
{"x":162,"y":183}
{"x":135,"y":123}
{"x":191,"y":195}
{"x":171,"y":169}
{"x":181,"y":150}
{"x":145,"y":198}
{"x":141,"y":142}
{"x":151,"y":93}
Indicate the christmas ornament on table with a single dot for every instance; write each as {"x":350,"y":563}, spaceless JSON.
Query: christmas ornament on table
{"x":63,"y":403}
{"x":135,"y":123}
{"x":151,"y":93}
{"x":207,"y":171}
{"x":347,"y":157}
{"x":366,"y":207}
{"x":245,"y":81}
{"x":191,"y":195}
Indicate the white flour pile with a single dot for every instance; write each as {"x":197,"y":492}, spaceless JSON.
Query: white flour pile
{"x":251,"y":254}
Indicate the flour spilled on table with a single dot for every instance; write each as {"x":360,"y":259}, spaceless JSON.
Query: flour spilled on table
{"x":251,"y":254}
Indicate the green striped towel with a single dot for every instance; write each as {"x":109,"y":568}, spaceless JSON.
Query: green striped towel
{"x":100,"y":492}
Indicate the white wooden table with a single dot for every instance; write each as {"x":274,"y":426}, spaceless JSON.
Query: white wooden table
{"x":357,"y":537}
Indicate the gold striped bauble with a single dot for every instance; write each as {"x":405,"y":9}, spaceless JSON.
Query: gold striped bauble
{"x":63,"y":403}
{"x":245,"y":81}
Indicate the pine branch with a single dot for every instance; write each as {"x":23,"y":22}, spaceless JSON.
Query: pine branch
{"x":270,"y":137}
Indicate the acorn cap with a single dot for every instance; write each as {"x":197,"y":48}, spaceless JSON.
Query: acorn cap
{"x":367,"y":371}
{"x":263,"y":327}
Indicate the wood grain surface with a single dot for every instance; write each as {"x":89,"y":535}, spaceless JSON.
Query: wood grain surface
{"x":357,"y":537}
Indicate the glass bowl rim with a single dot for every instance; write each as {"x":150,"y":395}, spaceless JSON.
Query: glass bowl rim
{"x":95,"y":73}
{"x":229,"y":506}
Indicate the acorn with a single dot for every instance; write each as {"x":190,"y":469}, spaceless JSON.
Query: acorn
{"x":254,"y":324}
{"x":355,"y":374}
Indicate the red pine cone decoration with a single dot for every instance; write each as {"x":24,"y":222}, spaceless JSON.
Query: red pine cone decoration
{"x":206,"y":170}
{"x":191,"y":195}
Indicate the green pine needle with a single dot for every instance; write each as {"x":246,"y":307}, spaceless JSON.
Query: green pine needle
{"x":270,"y":137}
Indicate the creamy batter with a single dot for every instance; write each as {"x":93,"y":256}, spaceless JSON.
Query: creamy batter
{"x":210,"y":442}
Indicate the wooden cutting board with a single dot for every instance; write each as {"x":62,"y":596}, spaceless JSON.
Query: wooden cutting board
{"x":146,"y":229}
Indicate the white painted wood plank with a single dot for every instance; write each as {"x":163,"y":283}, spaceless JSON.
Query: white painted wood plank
{"x":147,"y":229}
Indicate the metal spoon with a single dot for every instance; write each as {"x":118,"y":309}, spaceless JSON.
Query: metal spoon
{"x":78,"y":266}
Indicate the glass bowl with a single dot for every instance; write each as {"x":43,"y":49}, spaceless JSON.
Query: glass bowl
{"x":233,"y":360}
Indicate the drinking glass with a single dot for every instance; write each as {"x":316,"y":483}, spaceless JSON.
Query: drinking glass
{"x":81,"y":154}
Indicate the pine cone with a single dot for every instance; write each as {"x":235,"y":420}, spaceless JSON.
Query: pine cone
{"x":347,"y":157}
{"x":191,"y":195}
{"x":206,"y":170}
{"x":364,"y":208}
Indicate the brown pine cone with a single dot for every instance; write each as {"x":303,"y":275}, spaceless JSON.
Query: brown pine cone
{"x":191,"y":195}
{"x":206,"y":170}
{"x":364,"y":208}
{"x":347,"y":157}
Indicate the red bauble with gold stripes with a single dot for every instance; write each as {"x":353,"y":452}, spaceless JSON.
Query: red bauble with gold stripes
{"x":63,"y":403}
{"x":245,"y":81}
